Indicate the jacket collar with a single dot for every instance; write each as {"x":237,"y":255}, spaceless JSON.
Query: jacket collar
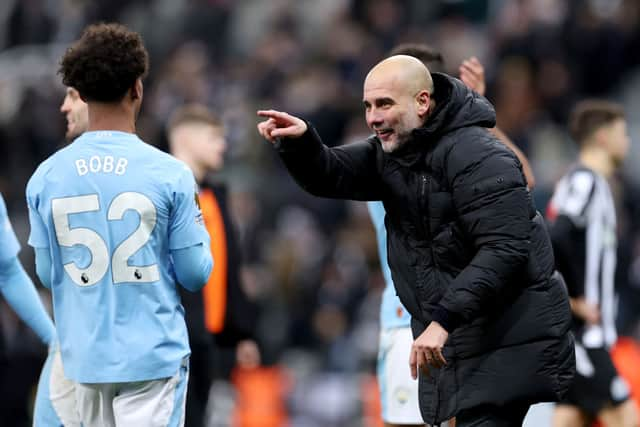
{"x":457,"y":106}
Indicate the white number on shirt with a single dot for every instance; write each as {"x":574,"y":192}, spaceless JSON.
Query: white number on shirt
{"x":95,"y":271}
{"x":122,"y":271}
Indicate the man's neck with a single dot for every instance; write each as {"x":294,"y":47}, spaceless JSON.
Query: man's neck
{"x":117,"y":117}
{"x":598,"y":160}
{"x":198,"y":172}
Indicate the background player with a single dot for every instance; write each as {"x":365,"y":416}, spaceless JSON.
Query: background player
{"x":76,"y":112}
{"x":583,"y":231}
{"x":222,"y":316}
{"x":115,"y":225}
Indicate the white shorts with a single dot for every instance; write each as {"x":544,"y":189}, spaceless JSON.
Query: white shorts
{"x":56,"y":397}
{"x":398,"y":391}
{"x":155,"y":403}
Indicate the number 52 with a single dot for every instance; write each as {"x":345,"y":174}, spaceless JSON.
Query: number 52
{"x":120,"y":268}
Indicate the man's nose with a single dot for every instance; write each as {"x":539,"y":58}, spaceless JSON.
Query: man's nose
{"x":374,"y":118}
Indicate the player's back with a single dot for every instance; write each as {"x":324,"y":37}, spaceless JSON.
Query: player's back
{"x":112,"y":208}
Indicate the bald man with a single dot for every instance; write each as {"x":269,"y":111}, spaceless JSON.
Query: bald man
{"x":469,"y":255}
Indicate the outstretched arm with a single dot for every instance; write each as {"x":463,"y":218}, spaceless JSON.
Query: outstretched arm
{"x":472,"y":74}
{"x":347,"y":172}
{"x":21,"y":294}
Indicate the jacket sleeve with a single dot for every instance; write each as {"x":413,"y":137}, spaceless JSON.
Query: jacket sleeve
{"x":345,"y":172}
{"x":493,"y":206}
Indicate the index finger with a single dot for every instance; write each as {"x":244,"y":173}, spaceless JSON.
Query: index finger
{"x":413,"y":364}
{"x":274,"y":114}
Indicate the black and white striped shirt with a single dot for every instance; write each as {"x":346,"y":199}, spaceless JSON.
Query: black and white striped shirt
{"x":583,"y":231}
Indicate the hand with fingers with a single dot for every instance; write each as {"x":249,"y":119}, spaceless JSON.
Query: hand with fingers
{"x":472,"y":74}
{"x":588,"y":312}
{"x":279,"y":124}
{"x":427,"y":350}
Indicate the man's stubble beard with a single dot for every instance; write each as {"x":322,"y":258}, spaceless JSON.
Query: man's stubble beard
{"x":401,"y":139}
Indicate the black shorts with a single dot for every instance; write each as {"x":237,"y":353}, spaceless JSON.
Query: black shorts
{"x":597,"y":383}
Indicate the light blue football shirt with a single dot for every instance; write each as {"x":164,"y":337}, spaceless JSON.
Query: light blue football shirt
{"x":110,"y":208}
{"x":392,"y":312}
{"x":9,"y":245}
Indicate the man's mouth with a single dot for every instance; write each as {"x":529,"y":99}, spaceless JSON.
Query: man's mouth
{"x":384,"y":134}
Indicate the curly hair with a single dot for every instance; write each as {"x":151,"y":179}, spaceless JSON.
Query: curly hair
{"x":105,"y":62}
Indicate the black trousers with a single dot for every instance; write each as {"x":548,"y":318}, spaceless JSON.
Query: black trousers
{"x":493,"y":416}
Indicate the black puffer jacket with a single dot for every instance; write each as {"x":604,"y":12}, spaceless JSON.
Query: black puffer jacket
{"x":466,"y":247}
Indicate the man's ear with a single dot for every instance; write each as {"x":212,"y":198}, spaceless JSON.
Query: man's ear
{"x":423,"y":98}
{"x":136,"y":90}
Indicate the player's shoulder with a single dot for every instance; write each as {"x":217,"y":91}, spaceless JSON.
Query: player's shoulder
{"x":165,"y":168}
{"x":581,"y":179}
{"x":574,"y":192}
{"x":166,"y":164}
{"x":43,"y":169}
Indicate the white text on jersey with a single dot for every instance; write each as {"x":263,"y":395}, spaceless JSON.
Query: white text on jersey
{"x":106,"y":164}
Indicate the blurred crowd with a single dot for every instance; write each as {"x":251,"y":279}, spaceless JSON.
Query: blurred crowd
{"x":311,"y":264}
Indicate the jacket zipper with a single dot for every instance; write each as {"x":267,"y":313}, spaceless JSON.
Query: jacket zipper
{"x":425,"y":206}
{"x":427,"y":233}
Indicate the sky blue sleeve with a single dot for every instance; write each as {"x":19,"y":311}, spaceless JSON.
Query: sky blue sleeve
{"x":43,"y":266}
{"x":9,"y":245}
{"x":377,"y":214}
{"x":21,"y":294}
{"x":192,"y":266}
{"x":38,"y":236}
{"x":186,"y":227}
